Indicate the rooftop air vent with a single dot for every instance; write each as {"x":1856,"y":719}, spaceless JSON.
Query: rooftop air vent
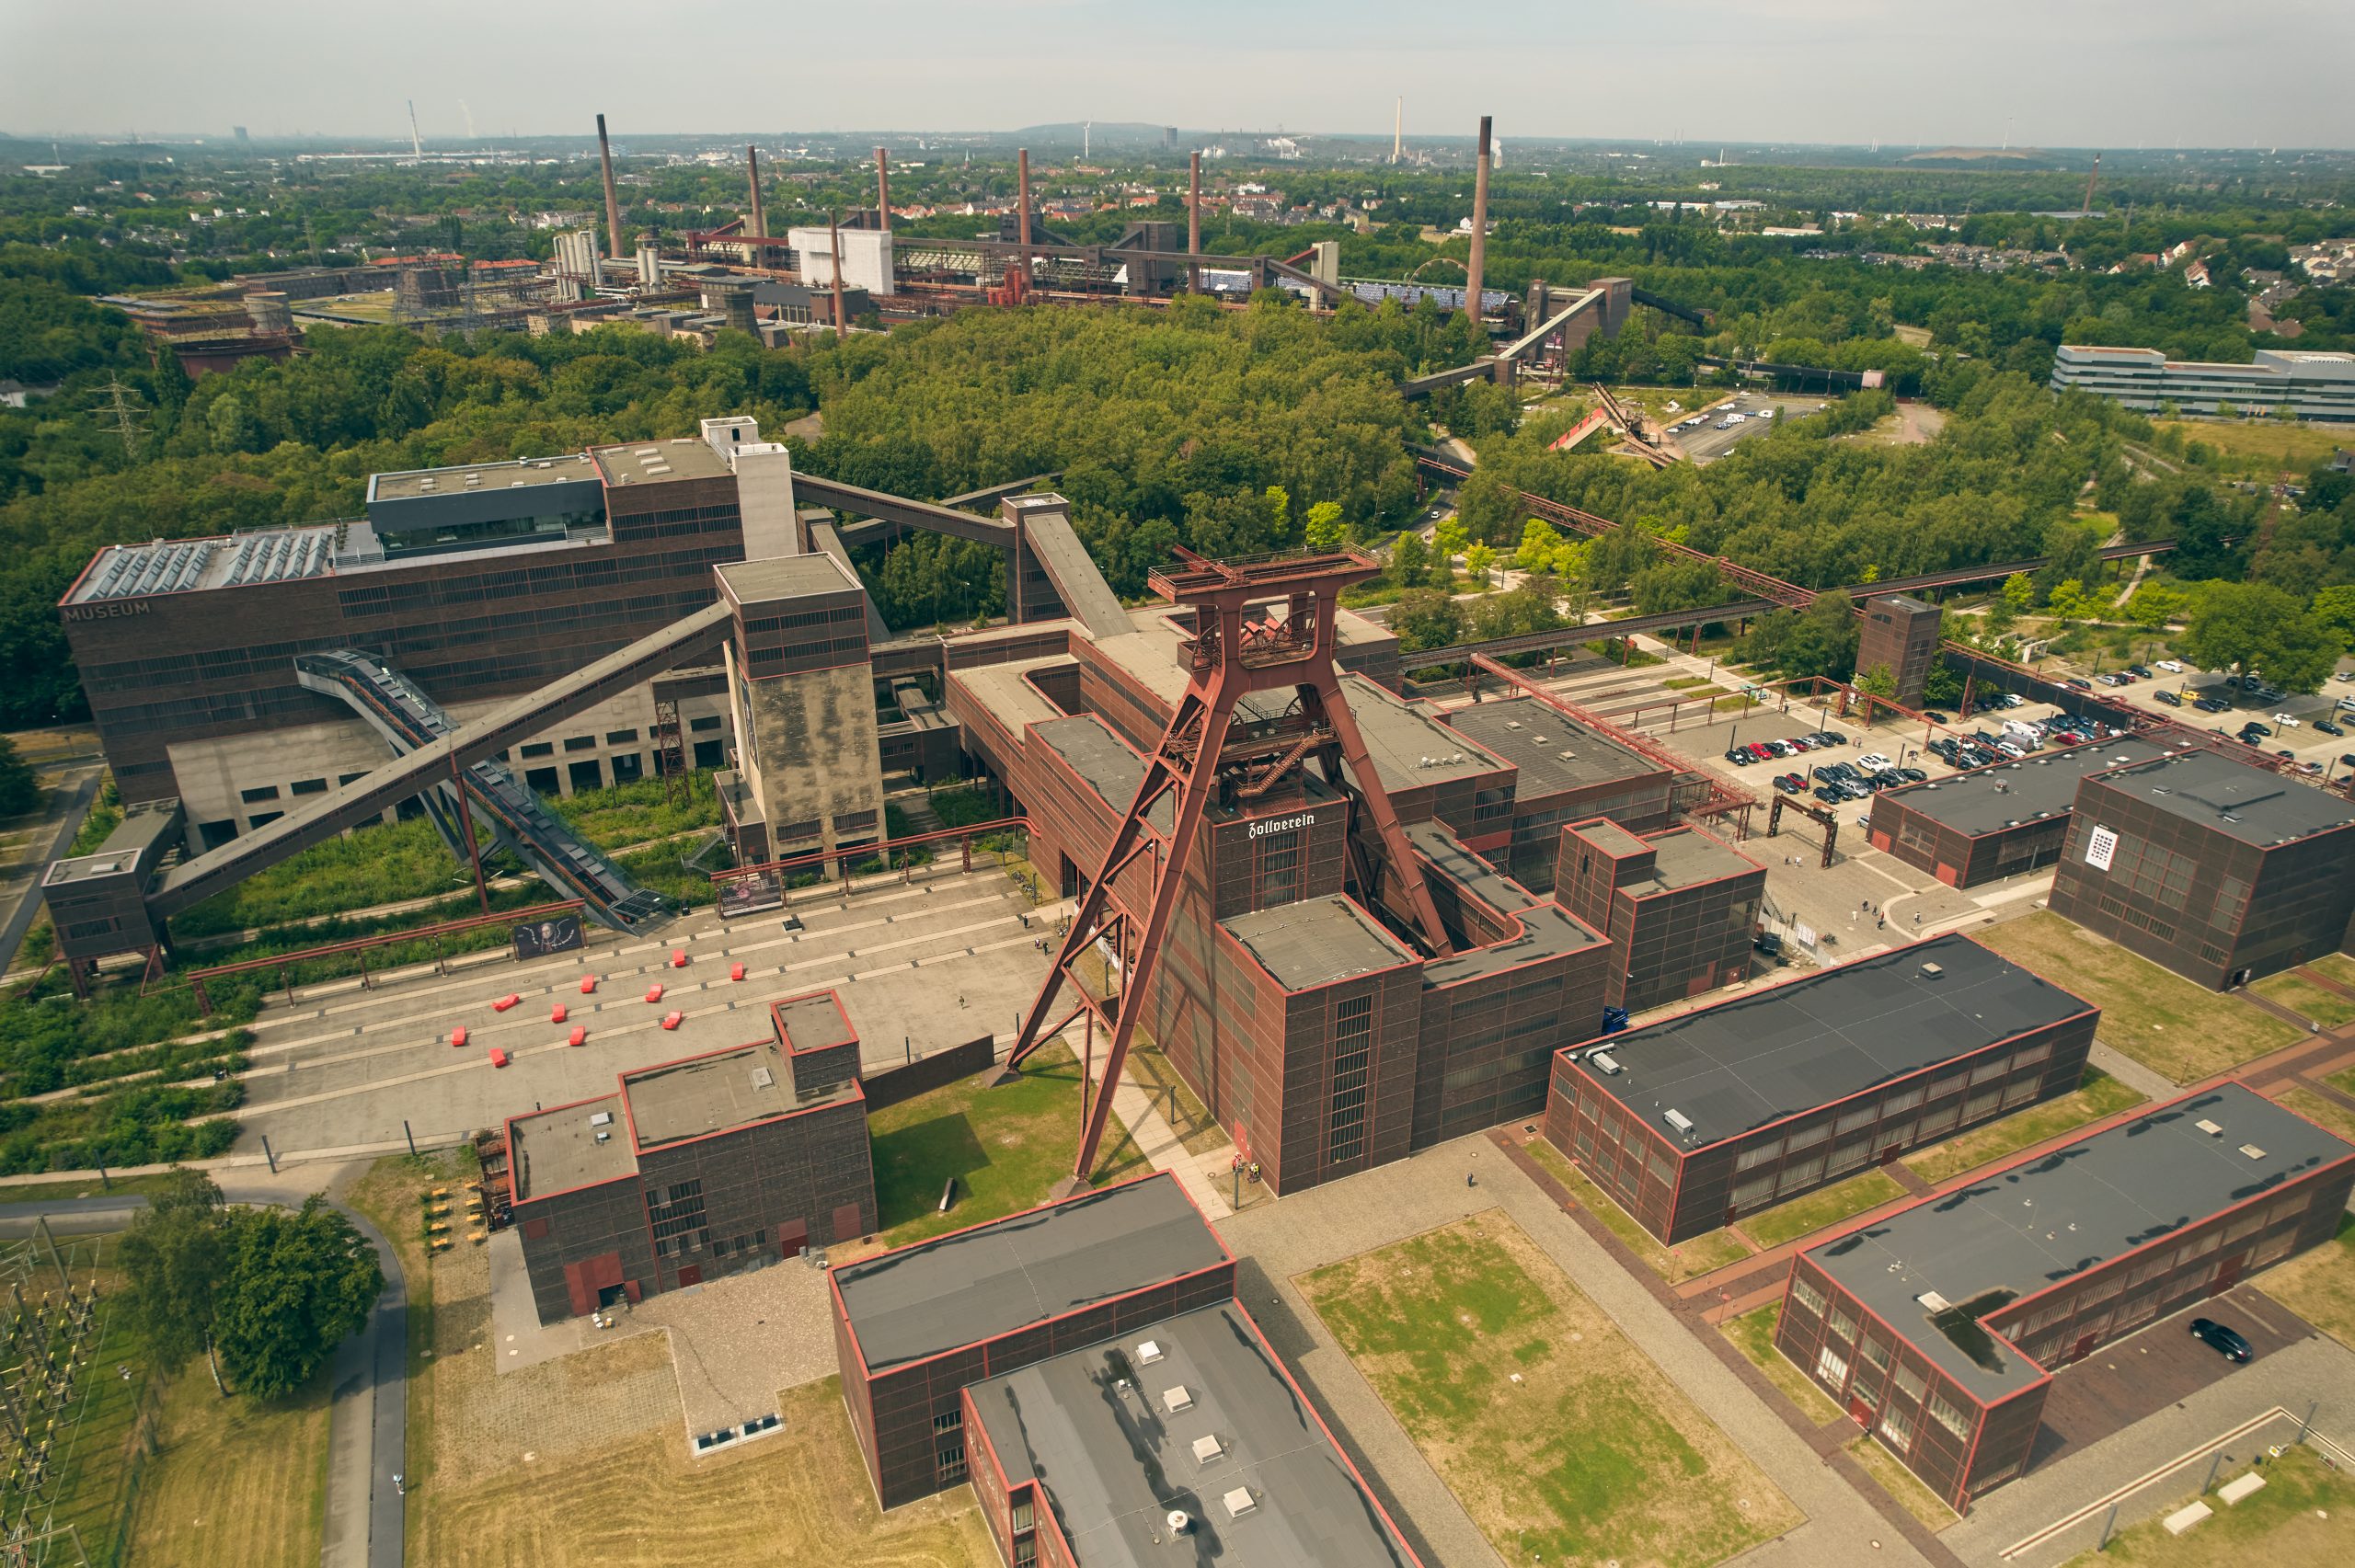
{"x":762,"y":1077}
{"x":1148,"y":1353}
{"x":1239,"y":1502}
{"x":2252,"y":1150}
{"x":1932,"y":1301}
{"x":1207,"y":1448}
{"x":1180,"y":1521}
{"x":1512,"y":723}
{"x":1605,"y":1060}
{"x":1931,"y":971}
{"x":604,"y":1136}
{"x":1178,"y":1399}
{"x":1678,"y":1120}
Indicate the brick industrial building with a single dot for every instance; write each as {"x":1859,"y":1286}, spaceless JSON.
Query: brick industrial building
{"x":1679,"y":907}
{"x":1717,"y":1113}
{"x":1991,"y":823}
{"x":698,"y":1168}
{"x":1087,"y":1367}
{"x":1898,"y":633}
{"x":2219,"y":871}
{"x":1939,"y":1328}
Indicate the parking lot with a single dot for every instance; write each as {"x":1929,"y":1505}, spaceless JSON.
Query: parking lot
{"x":1760,"y":412}
{"x":2302,"y":737}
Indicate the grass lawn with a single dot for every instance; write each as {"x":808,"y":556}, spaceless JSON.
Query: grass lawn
{"x":2302,"y":996}
{"x":1801,"y":1216}
{"x":2098,"y":1095}
{"x":799,"y":1497}
{"x":1686,"y":1260}
{"x":2321,"y":1111}
{"x":1006,"y":1147}
{"x":236,"y":1482}
{"x":2319,"y":1285}
{"x":1188,"y":1117}
{"x":85,"y":1185}
{"x":2277,"y":443}
{"x":2179,"y":1030}
{"x":2305,"y":1513}
{"x":1754,"y":1335}
{"x":1900,"y":1483}
{"x":94,"y":1467}
{"x":636,"y":813}
{"x":1561,"y":1439}
{"x":391,"y":1195}
{"x":2337,"y":966}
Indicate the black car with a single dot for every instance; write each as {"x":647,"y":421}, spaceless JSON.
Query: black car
{"x":1828,"y":793}
{"x":2327,"y":728}
{"x":2253,"y":728}
{"x":1937,"y":718}
{"x":2169,"y":698}
{"x":1832,"y":738}
{"x":2079,"y":683}
{"x":2209,"y":705}
{"x":2226,"y":1343}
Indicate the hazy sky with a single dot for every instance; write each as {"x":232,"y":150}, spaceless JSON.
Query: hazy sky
{"x":2057,"y":73}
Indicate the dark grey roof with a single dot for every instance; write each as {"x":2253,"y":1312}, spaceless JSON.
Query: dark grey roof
{"x":2037,"y":1224}
{"x":1106,"y":764}
{"x":553,"y":1152}
{"x":709,"y":1093}
{"x":1682,"y":858}
{"x":1093,"y":1427}
{"x":1316,"y":942}
{"x":1734,"y":1066}
{"x":1546,"y":928}
{"x":1409,"y":744}
{"x":1534,"y":737}
{"x":973,"y":1285}
{"x":2223,"y":793}
{"x":2043,"y":786}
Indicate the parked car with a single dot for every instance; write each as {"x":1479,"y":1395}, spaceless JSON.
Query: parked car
{"x":2079,"y":682}
{"x":2169,"y":698}
{"x":1872,"y":760}
{"x":2285,"y":721}
{"x":2014,"y":699}
{"x":1937,"y":717}
{"x":2139,"y":671}
{"x":2211,"y":706}
{"x":2327,"y":728}
{"x":2253,"y":728}
{"x":1737,"y":755}
{"x":2172,"y":666}
{"x":2012,"y":749}
{"x":1767,"y":943}
{"x":1913,"y":775}
{"x":2223,"y":1341}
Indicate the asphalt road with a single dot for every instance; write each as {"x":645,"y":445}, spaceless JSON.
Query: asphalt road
{"x":1707,"y":443}
{"x":368,"y":1423}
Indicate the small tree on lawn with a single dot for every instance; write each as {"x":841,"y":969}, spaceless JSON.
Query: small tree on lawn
{"x":174,"y":1256}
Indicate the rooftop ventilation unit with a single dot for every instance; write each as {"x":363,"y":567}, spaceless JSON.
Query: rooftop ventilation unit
{"x":2252,"y":1150}
{"x":1931,"y":971}
{"x":763,"y":1079}
{"x":1178,"y":1399}
{"x":1678,"y":1120}
{"x":604,"y":1136}
{"x":1180,"y":1521}
{"x":603,"y":1118}
{"x":1148,"y":1353}
{"x":1207,"y":1448}
{"x":1239,"y":1502}
{"x":2214,"y":1129}
{"x":1605,"y":1060}
{"x":1512,"y":723}
{"x":1932,"y":1301}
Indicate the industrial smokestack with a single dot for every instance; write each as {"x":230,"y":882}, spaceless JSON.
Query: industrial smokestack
{"x":883,"y":184}
{"x":842,"y":323}
{"x":1194,"y":220}
{"x":612,"y":202}
{"x":1479,"y":227}
{"x":1022,"y":165}
{"x":752,"y":171}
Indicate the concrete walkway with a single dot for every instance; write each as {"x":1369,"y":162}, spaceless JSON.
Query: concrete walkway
{"x":1155,"y":1138}
{"x":1276,"y":1241}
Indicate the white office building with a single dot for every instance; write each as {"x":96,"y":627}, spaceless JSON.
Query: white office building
{"x":2312,"y":385}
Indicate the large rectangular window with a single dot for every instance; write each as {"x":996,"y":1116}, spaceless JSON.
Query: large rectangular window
{"x":1352,"y":1068}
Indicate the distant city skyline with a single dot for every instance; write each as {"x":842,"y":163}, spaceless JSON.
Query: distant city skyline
{"x":2085,"y":74}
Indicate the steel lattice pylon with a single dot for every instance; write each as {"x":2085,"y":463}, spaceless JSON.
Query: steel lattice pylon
{"x":1237,"y":650}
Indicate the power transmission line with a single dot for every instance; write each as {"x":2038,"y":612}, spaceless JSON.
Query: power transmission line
{"x":120,"y":415}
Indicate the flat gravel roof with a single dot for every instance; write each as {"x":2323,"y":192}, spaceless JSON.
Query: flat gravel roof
{"x":2219,"y":791}
{"x":2034,"y":1225}
{"x":1316,"y":942}
{"x":2016,"y":793}
{"x":1554,"y":752}
{"x":969,"y":1286}
{"x":1097,"y":1429}
{"x":1736,"y":1066}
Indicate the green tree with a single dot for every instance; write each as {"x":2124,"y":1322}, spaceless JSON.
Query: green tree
{"x":2335,"y":608}
{"x":1324,"y":528}
{"x":1408,"y":559}
{"x":1479,"y":561}
{"x":174,"y":1257}
{"x":1449,"y":540}
{"x":2252,"y":627}
{"x":2019,"y":591}
{"x":2069,"y":602}
{"x":1941,"y":688}
{"x":1489,"y":509}
{"x":19,"y":788}
{"x":1822,"y":639}
{"x":296,"y":1285}
{"x":2153,"y":605}
{"x":1878,"y":681}
{"x":1539,"y":541}
{"x":1426,"y":618}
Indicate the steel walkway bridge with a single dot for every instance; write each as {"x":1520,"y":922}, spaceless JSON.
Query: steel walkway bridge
{"x":440,"y":758}
{"x":409,"y":720}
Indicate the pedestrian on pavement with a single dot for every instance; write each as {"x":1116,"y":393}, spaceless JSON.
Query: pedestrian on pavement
{"x":1917,"y":917}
